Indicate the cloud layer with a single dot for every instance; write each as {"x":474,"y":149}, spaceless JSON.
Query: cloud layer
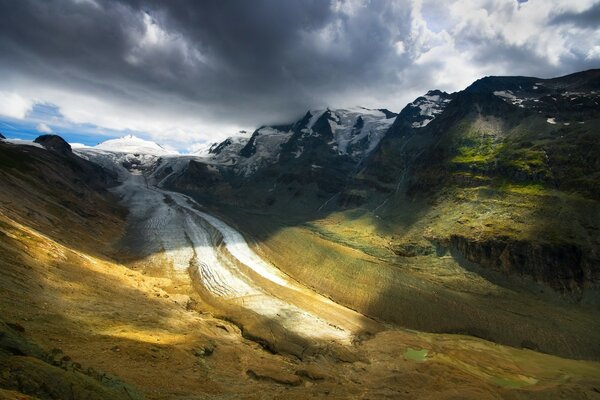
{"x":187,"y":71}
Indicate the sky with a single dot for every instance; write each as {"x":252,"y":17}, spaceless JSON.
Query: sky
{"x":185,"y":73}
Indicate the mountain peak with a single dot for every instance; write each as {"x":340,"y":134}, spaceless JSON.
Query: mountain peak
{"x":54,"y":143}
{"x":133,"y":144}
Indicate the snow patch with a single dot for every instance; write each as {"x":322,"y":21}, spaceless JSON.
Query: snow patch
{"x":134,"y":145}
{"x":22,"y":142}
{"x":430,"y":106}
{"x":79,"y":146}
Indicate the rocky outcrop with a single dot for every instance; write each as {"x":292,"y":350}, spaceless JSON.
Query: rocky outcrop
{"x":250,"y":148}
{"x":219,"y":148}
{"x":54,"y":143}
{"x":563,"y":266}
{"x":28,"y":369}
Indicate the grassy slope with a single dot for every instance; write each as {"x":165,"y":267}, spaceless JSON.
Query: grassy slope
{"x":486,"y":180}
{"x":61,"y":286}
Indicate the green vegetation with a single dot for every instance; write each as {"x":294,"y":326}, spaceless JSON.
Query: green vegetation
{"x":513,"y":383}
{"x":416,"y":355}
{"x":475,"y":144}
{"x":532,"y":155}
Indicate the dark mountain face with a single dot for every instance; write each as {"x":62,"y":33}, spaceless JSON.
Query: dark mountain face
{"x":420,"y":112}
{"x":250,"y":148}
{"x":78,"y":182}
{"x":217,"y":149}
{"x":54,"y":143}
{"x":501,"y":138}
{"x":323,"y":150}
{"x":388,"y":113}
{"x":2,"y":136}
{"x":569,"y":98}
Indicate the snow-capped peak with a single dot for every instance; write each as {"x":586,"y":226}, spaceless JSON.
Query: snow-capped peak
{"x":425,"y":108}
{"x":356,"y":130}
{"x":135,"y":145}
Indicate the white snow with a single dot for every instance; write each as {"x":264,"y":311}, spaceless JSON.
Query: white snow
{"x":269,"y":140}
{"x":76,"y":145}
{"x":551,"y":121}
{"x":192,"y":239}
{"x":134,"y":145}
{"x":298,"y":152}
{"x":510,"y":97}
{"x":267,"y":147}
{"x":375,"y":125}
{"x":507,"y":94}
{"x":315,"y":114}
{"x":202,"y":149}
{"x":22,"y":142}
{"x":430,"y":106}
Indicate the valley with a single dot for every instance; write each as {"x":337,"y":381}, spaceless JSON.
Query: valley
{"x":447,"y":251}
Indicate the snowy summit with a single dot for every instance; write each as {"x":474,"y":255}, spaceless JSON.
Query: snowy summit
{"x":134,"y":144}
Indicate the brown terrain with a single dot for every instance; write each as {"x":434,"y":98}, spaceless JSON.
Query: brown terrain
{"x":81,"y":319}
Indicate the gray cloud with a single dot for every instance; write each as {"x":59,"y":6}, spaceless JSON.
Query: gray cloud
{"x":187,"y":66}
{"x":589,"y":18}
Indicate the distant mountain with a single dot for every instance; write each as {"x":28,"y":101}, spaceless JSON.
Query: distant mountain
{"x":473,"y":212}
{"x":134,"y":145}
{"x":353,"y":133}
{"x":505,"y":134}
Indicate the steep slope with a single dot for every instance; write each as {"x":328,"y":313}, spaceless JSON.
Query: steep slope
{"x":504,"y":138}
{"x":321,"y":150}
{"x":355,"y":132}
{"x":471,"y":200}
{"x":362,"y":366}
{"x":77,"y":323}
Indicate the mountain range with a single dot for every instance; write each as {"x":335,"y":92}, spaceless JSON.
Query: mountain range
{"x":472,"y":215}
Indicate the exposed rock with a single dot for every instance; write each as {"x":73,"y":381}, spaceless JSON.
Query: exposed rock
{"x":54,"y":143}
{"x":250,"y":148}
{"x":412,"y":249}
{"x":268,"y":373}
{"x":216,"y":149}
{"x":353,"y":197}
{"x":29,"y":370}
{"x":565,"y":267}
{"x":204,"y":351}
{"x":388,"y":114}
{"x":312,"y":372}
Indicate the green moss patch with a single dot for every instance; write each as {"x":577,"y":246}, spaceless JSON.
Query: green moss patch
{"x":416,"y":355}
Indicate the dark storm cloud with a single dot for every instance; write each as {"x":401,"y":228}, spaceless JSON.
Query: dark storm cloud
{"x":589,"y":18}
{"x":229,"y":57}
{"x":251,"y":62}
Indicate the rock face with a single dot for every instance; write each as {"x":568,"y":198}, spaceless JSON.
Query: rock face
{"x":499,"y":140}
{"x":54,"y":143}
{"x":564,"y":267}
